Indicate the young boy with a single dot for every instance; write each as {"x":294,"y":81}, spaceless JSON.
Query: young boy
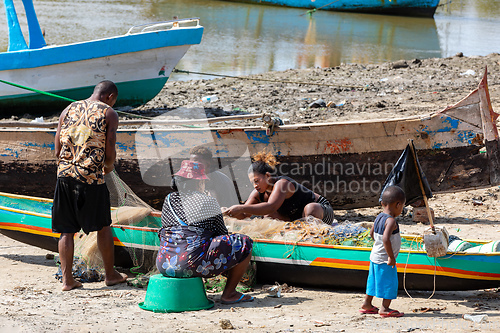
{"x":383,"y":277}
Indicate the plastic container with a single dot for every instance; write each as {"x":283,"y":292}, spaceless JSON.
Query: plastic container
{"x":485,"y":248}
{"x":211,"y":98}
{"x":167,"y":294}
{"x":476,"y":318}
{"x":458,"y":245}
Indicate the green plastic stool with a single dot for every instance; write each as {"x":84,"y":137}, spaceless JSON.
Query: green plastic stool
{"x":168,"y":294}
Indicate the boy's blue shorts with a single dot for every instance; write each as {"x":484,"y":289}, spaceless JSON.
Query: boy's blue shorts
{"x":382,"y":281}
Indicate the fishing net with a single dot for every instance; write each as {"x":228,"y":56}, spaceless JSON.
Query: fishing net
{"x":128,"y":210}
{"x":217,"y":283}
{"x":310,"y":230}
{"x":81,"y":272}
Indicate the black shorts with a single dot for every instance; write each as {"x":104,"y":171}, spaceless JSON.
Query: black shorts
{"x":328,"y":215}
{"x":80,"y":206}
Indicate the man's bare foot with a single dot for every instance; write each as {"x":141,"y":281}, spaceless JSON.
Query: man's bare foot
{"x":116,"y":278}
{"x":71,"y":285}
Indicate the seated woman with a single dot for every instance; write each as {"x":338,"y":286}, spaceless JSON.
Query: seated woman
{"x":279,"y":197}
{"x":194,"y":240}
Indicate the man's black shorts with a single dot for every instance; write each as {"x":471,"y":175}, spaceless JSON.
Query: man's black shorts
{"x":80,"y":206}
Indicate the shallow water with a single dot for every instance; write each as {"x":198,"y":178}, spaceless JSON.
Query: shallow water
{"x":243,"y":38}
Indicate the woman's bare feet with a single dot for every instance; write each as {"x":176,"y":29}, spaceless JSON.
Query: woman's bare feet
{"x":71,"y":285}
{"x":116,"y":278}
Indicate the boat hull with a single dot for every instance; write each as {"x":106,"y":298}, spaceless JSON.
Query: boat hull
{"x":27,"y":219}
{"x":418,"y":8}
{"x":467,"y":168}
{"x":139,"y":64}
{"x":347,"y":267}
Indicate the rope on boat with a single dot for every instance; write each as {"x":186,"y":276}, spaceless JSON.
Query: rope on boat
{"x":267,"y":80}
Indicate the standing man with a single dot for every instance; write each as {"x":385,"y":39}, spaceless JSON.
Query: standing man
{"x":218,"y":185}
{"x":85,"y":149}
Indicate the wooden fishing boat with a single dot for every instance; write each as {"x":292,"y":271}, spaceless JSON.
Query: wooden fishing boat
{"x":139,"y":62}
{"x":27,"y":219}
{"x":346,"y":162}
{"x":420,"y":8}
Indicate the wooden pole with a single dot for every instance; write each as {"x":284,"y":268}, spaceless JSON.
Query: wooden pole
{"x":422,"y":187}
{"x":165,"y":122}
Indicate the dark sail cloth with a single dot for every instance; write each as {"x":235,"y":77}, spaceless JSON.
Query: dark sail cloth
{"x":189,"y":250}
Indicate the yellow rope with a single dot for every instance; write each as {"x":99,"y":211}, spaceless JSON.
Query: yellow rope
{"x":406,"y":265}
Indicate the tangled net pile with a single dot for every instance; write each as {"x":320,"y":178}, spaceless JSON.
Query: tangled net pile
{"x":81,"y":272}
{"x":309,"y":230}
{"x":313,"y":230}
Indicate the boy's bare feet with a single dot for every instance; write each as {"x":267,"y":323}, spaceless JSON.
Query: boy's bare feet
{"x":71,"y":285}
{"x":372,"y":310}
{"x":116,"y":278}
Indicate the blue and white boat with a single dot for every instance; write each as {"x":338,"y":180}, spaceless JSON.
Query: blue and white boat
{"x":418,"y":8}
{"x":139,"y":62}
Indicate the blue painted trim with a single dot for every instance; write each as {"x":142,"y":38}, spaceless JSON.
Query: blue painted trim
{"x":425,"y":8}
{"x":35,"y":33}
{"x":354,"y":4}
{"x":16,"y":38}
{"x":53,"y":55}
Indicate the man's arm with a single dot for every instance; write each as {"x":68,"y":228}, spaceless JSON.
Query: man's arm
{"x":110,"y":152}
{"x":57,"y":139}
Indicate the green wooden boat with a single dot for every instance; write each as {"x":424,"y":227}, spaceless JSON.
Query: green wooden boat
{"x":28,"y":220}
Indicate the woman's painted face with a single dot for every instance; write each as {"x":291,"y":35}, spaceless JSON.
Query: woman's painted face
{"x":260,"y":182}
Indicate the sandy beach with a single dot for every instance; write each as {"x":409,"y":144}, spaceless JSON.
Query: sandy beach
{"x":31,"y":300}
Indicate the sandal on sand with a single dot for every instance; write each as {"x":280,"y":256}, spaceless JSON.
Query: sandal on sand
{"x":239,"y":300}
{"x":373,"y":310}
{"x":393,"y":313}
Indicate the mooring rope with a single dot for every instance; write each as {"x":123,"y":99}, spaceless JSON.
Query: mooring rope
{"x":268,"y":80}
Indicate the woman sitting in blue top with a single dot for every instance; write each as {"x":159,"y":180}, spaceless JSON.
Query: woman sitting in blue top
{"x":194,"y":240}
{"x":279,"y":197}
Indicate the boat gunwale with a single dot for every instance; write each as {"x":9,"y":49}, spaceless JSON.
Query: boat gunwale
{"x":299,"y":126}
{"x":281,"y":128}
{"x":52,"y":46}
{"x":364,"y":248}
